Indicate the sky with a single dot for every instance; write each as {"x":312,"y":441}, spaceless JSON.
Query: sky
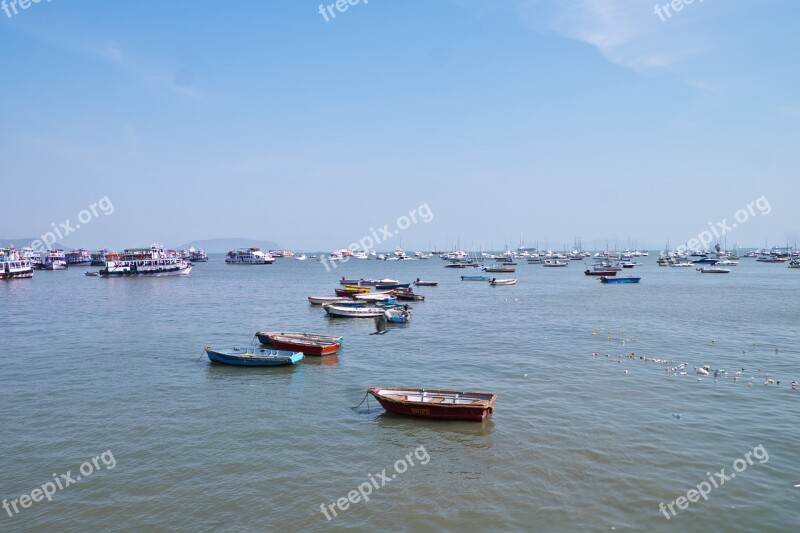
{"x":535,"y":121}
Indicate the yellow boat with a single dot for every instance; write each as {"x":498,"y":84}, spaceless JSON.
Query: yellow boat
{"x":356,"y":288}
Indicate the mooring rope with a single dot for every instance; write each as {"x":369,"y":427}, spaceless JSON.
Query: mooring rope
{"x":366,"y":397}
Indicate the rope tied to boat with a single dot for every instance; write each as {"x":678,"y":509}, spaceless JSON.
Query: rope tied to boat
{"x":366,"y":397}
{"x":202,"y":353}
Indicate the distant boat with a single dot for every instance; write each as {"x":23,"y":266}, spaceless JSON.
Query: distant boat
{"x":600,"y":272}
{"x":794,"y":263}
{"x":455,"y":265}
{"x":307,"y":345}
{"x":435,"y":403}
{"x":374,"y":282}
{"x":499,"y":268}
{"x":475,"y":278}
{"x":301,"y":257}
{"x":319,"y":300}
{"x":391,"y":286}
{"x":420,"y":283}
{"x":554,"y":263}
{"x":352,"y":312}
{"x":509,"y":281}
{"x":254,"y":357}
{"x":627,"y":279}
{"x":248,"y":256}
{"x":408,"y":295}
{"x":706,"y":261}
{"x":345,"y":281}
{"x":714,"y":270}
{"x":385,"y":297}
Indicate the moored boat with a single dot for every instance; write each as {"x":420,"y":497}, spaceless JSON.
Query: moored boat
{"x":499,"y":269}
{"x":319,"y":300}
{"x":248,"y":256}
{"x":391,"y":286}
{"x":352,"y":312}
{"x":714,"y":270}
{"x":264,"y":337}
{"x":397,"y":315}
{"x":475,"y":278}
{"x":626,"y":279}
{"x":421,"y":283}
{"x":509,"y":281}
{"x":79,"y":257}
{"x":408,"y":295}
{"x":300,"y":344}
{"x":254,"y":357}
{"x":153,"y":262}
{"x":554,"y":263}
{"x":12,"y":266}
{"x":600,"y":272}
{"x":435,"y":403}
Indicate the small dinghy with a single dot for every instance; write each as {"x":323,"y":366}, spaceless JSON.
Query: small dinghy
{"x":435,"y":403}
{"x":421,"y":283}
{"x":714,"y":270}
{"x":397,"y":315}
{"x":474,"y":278}
{"x":254,"y":357}
{"x":509,"y":281}
{"x":319,"y":300}
{"x":627,"y":279}
{"x":352,"y":312}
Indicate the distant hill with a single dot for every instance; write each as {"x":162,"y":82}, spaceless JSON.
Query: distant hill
{"x":22,"y":243}
{"x":216,"y":246}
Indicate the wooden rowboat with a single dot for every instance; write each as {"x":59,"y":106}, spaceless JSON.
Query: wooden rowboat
{"x":305,"y":345}
{"x":435,"y":403}
{"x":263,"y":337}
{"x":254,"y":357}
{"x":319,"y":300}
{"x":352,"y":312}
{"x":510,"y":281}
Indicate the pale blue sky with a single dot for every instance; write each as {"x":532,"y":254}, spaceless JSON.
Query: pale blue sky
{"x":546,"y":119}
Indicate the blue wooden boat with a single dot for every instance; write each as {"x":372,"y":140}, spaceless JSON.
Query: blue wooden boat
{"x":254,"y":357}
{"x":475,"y":278}
{"x":627,"y":279}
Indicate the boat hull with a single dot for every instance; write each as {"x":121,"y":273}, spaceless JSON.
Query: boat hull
{"x":281,"y":342}
{"x":264,"y":337}
{"x":620,"y":280}
{"x":430,"y":404}
{"x":258,"y":357}
{"x":600,"y":272}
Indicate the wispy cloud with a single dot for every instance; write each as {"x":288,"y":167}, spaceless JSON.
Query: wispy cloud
{"x":626,"y":32}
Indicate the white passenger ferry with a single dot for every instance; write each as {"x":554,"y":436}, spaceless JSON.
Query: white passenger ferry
{"x":152,"y":262}
{"x":14,"y":266}
{"x":248,"y":256}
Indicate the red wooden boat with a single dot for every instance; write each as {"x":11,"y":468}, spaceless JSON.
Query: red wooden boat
{"x":435,"y":403}
{"x":600,"y":272}
{"x":308,"y":345}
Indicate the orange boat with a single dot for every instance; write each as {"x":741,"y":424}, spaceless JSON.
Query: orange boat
{"x":435,"y":403}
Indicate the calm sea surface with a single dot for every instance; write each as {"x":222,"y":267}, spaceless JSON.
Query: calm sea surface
{"x":577,"y":442}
